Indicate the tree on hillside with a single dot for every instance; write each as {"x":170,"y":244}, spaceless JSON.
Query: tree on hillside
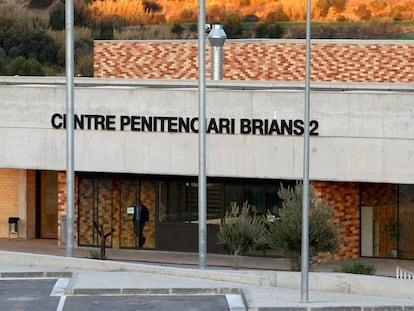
{"x":269,"y":30}
{"x":57,"y":17}
{"x":232,"y":25}
{"x":23,"y":67}
{"x":216,"y":13}
{"x":29,"y":44}
{"x":39,"y":4}
{"x":151,"y":7}
{"x":322,"y":7}
{"x":278,"y":15}
{"x":338,"y":5}
{"x":363,"y":12}
{"x":377,"y":5}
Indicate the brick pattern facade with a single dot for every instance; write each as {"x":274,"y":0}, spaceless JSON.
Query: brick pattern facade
{"x":272,"y":60}
{"x":127,"y":199}
{"x":148,"y":198}
{"x":345,"y":198}
{"x":106,"y":201}
{"x":61,"y":205}
{"x":86,"y":234}
{"x":9,"y":186}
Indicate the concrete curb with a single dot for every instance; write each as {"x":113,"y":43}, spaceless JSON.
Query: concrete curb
{"x":318,"y":281}
{"x":35,"y":274}
{"x":367,"y":285}
{"x":154,"y":291}
{"x":70,"y":263}
{"x":381,"y":308}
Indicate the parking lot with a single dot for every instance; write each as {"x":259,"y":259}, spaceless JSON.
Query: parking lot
{"x":48,"y":295}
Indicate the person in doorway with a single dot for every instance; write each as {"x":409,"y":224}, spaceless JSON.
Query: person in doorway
{"x":141,"y":216}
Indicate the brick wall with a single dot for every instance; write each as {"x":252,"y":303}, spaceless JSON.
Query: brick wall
{"x":31,"y":205}
{"x":62,"y":205}
{"x":9,"y":203}
{"x":274,"y":60}
{"x":148,"y":198}
{"x":344,"y":197}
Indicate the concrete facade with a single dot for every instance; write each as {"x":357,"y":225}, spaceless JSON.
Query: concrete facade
{"x":361,"y":148}
{"x":373,"y":124}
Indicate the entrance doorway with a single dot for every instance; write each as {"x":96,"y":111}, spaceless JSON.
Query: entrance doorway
{"x":47,"y":205}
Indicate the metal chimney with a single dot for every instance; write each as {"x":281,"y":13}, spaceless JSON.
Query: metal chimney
{"x":217,"y":36}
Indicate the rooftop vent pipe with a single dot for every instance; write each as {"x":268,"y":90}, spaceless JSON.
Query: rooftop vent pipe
{"x":217,"y":36}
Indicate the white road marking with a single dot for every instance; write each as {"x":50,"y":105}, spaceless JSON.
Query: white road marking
{"x":235,"y":302}
{"x":59,"y":288}
{"x":61,"y":303}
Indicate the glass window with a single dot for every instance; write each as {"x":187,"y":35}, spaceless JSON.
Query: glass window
{"x":174,"y":207}
{"x":403,"y":226}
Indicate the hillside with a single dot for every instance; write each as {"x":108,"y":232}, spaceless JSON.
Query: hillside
{"x":32,"y":32}
{"x":323,"y":10}
{"x":179,"y":11}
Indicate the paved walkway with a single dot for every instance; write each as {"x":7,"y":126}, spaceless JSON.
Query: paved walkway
{"x":384,"y":266}
{"x":261,"y":281}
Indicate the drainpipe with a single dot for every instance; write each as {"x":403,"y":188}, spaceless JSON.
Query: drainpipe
{"x":216,"y":37}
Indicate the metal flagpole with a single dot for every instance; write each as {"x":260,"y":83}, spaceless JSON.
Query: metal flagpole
{"x":305,"y":199}
{"x":70,"y":175}
{"x":202,"y":198}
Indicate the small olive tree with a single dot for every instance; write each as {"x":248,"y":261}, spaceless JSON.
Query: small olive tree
{"x":286,"y":231}
{"x":241,"y":232}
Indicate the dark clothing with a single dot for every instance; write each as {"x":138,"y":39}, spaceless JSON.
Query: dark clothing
{"x":141,"y":216}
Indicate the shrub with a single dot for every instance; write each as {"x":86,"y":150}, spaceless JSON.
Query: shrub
{"x":188,"y":15}
{"x":243,"y":3}
{"x":131,"y":11}
{"x":286,"y":232}
{"x":29,"y":44}
{"x":356,"y":267}
{"x":84,"y":65}
{"x":250,"y":18}
{"x":363,"y":12}
{"x":151,"y":6}
{"x":269,"y":30}
{"x":57,"y":17}
{"x":15,"y":17}
{"x":177,"y":29}
{"x":24,"y":67}
{"x":95,"y":254}
{"x":216,"y":13}
{"x":338,"y":5}
{"x":341,"y":19}
{"x":322,"y":6}
{"x":241,"y":232}
{"x":193,"y":27}
{"x":399,"y":12}
{"x":108,"y":24}
{"x":277,"y":16}
{"x":377,"y":5}
{"x":40,"y":4}
{"x":232,"y":25}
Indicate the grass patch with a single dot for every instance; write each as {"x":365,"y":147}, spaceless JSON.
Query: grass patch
{"x":356,"y":267}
